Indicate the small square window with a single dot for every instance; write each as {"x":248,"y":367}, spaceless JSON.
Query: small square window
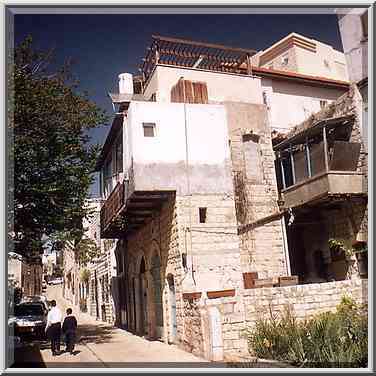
{"x":364,"y":19}
{"x":202,"y":215}
{"x":149,"y":129}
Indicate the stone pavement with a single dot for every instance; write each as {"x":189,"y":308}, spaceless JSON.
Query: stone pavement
{"x":101,"y":345}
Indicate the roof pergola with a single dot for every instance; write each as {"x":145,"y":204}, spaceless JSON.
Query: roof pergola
{"x":191,"y":54}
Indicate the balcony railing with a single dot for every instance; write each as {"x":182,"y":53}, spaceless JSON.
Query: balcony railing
{"x":318,"y":162}
{"x":113,"y":205}
{"x":322,"y":148}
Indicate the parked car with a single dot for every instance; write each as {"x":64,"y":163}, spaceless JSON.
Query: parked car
{"x":56,"y":281}
{"x":36,"y":299}
{"x":30,"y":319}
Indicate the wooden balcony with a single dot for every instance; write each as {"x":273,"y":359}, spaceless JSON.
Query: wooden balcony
{"x":326,"y":186}
{"x":126,"y":210}
{"x":111,"y":211}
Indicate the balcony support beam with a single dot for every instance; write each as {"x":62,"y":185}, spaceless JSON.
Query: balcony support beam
{"x":308,"y":154}
{"x":292,"y":165}
{"x":282,"y":173}
{"x":325,"y":148}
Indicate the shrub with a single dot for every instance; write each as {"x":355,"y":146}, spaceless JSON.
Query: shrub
{"x":83,"y":305}
{"x":327,"y":340}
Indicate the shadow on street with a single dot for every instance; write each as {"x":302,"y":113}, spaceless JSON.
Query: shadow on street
{"x":89,"y":333}
{"x":28,"y":356}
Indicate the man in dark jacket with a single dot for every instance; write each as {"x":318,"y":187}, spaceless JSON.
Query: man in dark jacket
{"x":69,"y":330}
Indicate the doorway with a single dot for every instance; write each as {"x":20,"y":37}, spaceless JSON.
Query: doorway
{"x":143,"y":299}
{"x":157,"y":289}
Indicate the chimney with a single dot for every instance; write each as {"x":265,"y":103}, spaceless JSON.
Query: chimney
{"x":125,"y":83}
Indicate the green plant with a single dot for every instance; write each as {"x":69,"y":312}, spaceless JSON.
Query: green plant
{"x":329,"y":339}
{"x":337,"y":246}
{"x":85,"y":275}
{"x":83,"y":305}
{"x":360,"y":247}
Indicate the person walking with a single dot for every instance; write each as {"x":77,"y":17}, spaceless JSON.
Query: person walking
{"x":69,"y":330}
{"x":53,"y":328}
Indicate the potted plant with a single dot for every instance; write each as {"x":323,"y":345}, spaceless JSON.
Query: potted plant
{"x":339,"y":250}
{"x":360,"y":250}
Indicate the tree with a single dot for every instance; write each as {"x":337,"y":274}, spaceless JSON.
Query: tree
{"x":51,"y":156}
{"x":86,"y":249}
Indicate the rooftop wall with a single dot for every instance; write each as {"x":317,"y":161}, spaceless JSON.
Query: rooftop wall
{"x":221,"y":86}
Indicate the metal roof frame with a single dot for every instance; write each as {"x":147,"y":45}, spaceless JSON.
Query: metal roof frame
{"x":312,"y":131}
{"x":192,"y":54}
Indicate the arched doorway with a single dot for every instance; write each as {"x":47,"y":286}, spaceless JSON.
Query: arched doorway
{"x":157,"y":294}
{"x":143,"y":299}
{"x":172,"y":304}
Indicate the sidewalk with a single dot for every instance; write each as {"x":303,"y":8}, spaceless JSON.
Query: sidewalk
{"x":102,"y":345}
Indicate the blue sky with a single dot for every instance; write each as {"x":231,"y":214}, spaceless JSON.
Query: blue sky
{"x":103,"y":45}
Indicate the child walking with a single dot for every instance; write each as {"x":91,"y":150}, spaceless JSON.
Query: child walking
{"x":69,"y":330}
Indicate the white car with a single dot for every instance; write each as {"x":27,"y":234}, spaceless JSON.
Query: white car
{"x":56,"y":281}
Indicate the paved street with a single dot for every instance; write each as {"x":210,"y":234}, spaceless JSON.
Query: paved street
{"x":101,"y":345}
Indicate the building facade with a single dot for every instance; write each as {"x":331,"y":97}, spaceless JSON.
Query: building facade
{"x":188,"y":175}
{"x":299,"y":54}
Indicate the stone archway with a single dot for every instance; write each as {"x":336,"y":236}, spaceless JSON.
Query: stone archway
{"x":155,"y":270}
{"x":143,"y":297}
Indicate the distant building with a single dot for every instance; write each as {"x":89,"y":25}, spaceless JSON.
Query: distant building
{"x":299,"y":54}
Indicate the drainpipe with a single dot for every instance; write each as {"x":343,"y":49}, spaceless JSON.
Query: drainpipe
{"x":285,"y":246}
{"x":188,"y":229}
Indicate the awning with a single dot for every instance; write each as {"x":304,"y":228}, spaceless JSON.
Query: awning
{"x":314,"y":130}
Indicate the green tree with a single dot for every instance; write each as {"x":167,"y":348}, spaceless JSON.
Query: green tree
{"x":86,"y":250}
{"x":51,"y":157}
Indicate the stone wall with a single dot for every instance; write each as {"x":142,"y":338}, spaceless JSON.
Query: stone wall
{"x":256,"y":193}
{"x":193,"y":334}
{"x":159,"y":236}
{"x":243,"y":310}
{"x":197,"y":256}
{"x":32,"y":278}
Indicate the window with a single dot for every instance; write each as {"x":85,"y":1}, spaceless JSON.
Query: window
{"x":107,"y":175}
{"x":149,"y":129}
{"x":184,"y":260}
{"x":264,"y":98}
{"x":119,"y":155}
{"x":364,"y":19}
{"x":153,"y":98}
{"x":252,"y":157}
{"x":202,"y":214}
{"x":189,"y":92}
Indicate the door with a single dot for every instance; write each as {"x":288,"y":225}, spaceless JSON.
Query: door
{"x":172,"y":299}
{"x":144,"y":299}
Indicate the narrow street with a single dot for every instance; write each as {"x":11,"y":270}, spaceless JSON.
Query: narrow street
{"x":101,"y":345}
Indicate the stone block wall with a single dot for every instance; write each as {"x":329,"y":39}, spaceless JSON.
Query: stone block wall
{"x":256,"y":194}
{"x":240,"y":313}
{"x":192,"y":340}
{"x":211,"y":247}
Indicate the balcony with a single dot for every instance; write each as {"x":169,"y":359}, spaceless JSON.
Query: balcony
{"x":319,"y":165}
{"x":126,"y":210}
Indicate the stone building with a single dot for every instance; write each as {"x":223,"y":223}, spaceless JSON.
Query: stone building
{"x":297,"y":53}
{"x":71,"y":274}
{"x":96,"y":290}
{"x":190,"y":188}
